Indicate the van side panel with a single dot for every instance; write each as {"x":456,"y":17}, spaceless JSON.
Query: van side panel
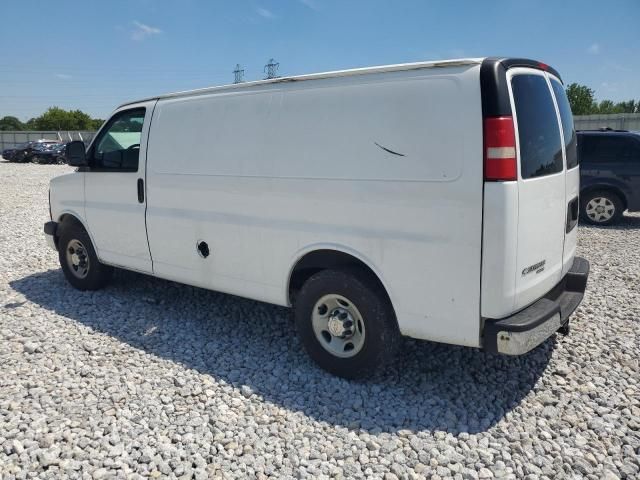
{"x":387,"y":166}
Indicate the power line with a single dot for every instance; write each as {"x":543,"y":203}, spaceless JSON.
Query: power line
{"x":238,"y":74}
{"x":271,"y":69}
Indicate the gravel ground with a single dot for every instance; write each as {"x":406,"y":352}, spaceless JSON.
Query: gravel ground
{"x":152,"y":378}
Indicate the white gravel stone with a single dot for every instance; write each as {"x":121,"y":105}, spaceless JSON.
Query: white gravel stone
{"x":149,"y":378}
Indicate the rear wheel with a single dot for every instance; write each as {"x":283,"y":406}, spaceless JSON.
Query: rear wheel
{"x":78,"y":259}
{"x":346,"y":322}
{"x":601,"y":207}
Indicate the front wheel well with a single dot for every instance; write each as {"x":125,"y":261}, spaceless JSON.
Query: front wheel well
{"x":69,"y":218}
{"x":318,"y":260}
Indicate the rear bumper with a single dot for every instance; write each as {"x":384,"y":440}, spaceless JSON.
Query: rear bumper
{"x":50,"y":230}
{"x":528,"y":328}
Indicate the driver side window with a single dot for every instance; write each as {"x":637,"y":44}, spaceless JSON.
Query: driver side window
{"x":118,"y":147}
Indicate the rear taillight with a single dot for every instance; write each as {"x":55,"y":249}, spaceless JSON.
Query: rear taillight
{"x":499,"y":149}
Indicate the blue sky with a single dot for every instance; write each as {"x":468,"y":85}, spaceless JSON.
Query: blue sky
{"x":94,"y":55}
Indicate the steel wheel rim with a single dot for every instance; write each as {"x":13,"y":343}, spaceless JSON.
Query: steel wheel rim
{"x":338,"y":326}
{"x":77,"y":259}
{"x":600,"y":209}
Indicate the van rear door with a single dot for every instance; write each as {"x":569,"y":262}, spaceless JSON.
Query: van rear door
{"x":542,"y":187}
{"x":530,"y":195}
{"x":572,"y":177}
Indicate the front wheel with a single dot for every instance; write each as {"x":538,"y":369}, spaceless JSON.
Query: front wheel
{"x":346,"y":322}
{"x":79,"y":261}
{"x":601,"y":208}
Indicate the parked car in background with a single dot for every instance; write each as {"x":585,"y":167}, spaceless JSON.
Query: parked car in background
{"x":24,"y":152}
{"x":610,"y":174}
{"x":49,"y":153}
{"x":9,"y":153}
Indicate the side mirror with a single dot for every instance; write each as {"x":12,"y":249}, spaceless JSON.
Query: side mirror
{"x":76,"y":154}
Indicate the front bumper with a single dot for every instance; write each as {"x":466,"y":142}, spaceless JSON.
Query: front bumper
{"x":528,"y":328}
{"x":50,"y":230}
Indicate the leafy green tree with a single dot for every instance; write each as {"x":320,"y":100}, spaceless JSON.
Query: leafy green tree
{"x":56,"y":118}
{"x":630,"y":106}
{"x":11,"y":123}
{"x":606,"y":106}
{"x":96,"y":123}
{"x":31,"y":124}
{"x":581,"y":99}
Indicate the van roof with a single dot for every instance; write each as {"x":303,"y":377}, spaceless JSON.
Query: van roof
{"x":317,"y":76}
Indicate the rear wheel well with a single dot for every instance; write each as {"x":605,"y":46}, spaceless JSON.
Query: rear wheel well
{"x":318,"y":260}
{"x":604,"y":188}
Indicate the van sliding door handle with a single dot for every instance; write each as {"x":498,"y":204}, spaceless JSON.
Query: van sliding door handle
{"x":140,"y":190}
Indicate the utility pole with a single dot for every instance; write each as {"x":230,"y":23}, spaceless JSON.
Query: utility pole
{"x":238,"y":74}
{"x":271,"y":69}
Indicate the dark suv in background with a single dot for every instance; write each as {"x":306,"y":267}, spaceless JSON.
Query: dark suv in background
{"x":609,"y":174}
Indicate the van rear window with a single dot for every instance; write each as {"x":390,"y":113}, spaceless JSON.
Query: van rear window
{"x":538,"y":132}
{"x":570,"y":139}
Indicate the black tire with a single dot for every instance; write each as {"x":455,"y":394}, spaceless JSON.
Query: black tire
{"x":611,"y":203}
{"x":97,"y":274}
{"x":381,"y":336}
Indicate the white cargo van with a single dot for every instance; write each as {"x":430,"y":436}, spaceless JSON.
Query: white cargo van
{"x":434,"y":200}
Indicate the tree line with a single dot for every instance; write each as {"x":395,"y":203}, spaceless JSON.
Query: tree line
{"x":581,"y":98}
{"x":53,"y":119}
{"x":583,"y":102}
